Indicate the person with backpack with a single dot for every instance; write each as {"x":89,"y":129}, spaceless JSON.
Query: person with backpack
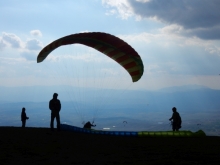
{"x":176,"y":120}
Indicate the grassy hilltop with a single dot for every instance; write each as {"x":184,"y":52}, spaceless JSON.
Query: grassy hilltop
{"x":41,"y":146}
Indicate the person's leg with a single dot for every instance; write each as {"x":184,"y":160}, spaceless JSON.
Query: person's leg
{"x":23,"y":123}
{"x":174,"y":126}
{"x":58,"y":121}
{"x":52,"y":121}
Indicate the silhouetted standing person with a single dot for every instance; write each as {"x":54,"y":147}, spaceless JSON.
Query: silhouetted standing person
{"x":23,"y":117}
{"x":55,"y":107}
{"x":176,"y":124}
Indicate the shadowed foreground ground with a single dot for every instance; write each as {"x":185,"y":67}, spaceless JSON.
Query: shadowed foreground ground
{"x":41,"y":146}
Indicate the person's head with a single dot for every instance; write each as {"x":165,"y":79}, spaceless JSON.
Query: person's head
{"x":174,"y":109}
{"x":55,"y":95}
{"x":23,"y":109}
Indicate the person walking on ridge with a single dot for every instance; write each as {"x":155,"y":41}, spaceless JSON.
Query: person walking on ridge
{"x":55,"y":108}
{"x":176,"y":123}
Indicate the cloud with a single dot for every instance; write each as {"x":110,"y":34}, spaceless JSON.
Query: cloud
{"x":27,"y":50}
{"x":10,"y":61}
{"x":123,"y":8}
{"x":33,"y":44}
{"x":168,"y":53}
{"x":2,"y":44}
{"x":212,"y":33}
{"x":171,"y":37}
{"x":13,"y":40}
{"x":196,"y":18}
{"x":187,"y":13}
{"x":85,"y":31}
{"x":36,"y":33}
{"x":29,"y":55}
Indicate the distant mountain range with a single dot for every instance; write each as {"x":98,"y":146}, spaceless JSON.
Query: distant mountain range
{"x":142,"y":109}
{"x":184,"y":88}
{"x":187,"y":98}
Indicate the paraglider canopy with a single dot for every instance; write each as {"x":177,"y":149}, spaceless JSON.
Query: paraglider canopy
{"x":110,"y":45}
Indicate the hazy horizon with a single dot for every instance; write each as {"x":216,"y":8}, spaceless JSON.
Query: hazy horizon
{"x":143,"y":110}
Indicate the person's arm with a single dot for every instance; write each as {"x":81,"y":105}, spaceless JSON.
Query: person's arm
{"x":25,"y":116}
{"x":50,"y":105}
{"x":171,"y":118}
{"x":59,"y":105}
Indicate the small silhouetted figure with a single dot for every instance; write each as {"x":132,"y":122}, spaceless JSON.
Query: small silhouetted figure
{"x":23,"y":117}
{"x":88,"y":125}
{"x":55,"y":107}
{"x":176,"y":123}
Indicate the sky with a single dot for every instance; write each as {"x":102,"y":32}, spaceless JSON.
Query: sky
{"x":178,"y":41}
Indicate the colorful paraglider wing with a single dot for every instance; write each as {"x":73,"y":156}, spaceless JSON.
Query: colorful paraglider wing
{"x":177,"y":134}
{"x":110,"y":45}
